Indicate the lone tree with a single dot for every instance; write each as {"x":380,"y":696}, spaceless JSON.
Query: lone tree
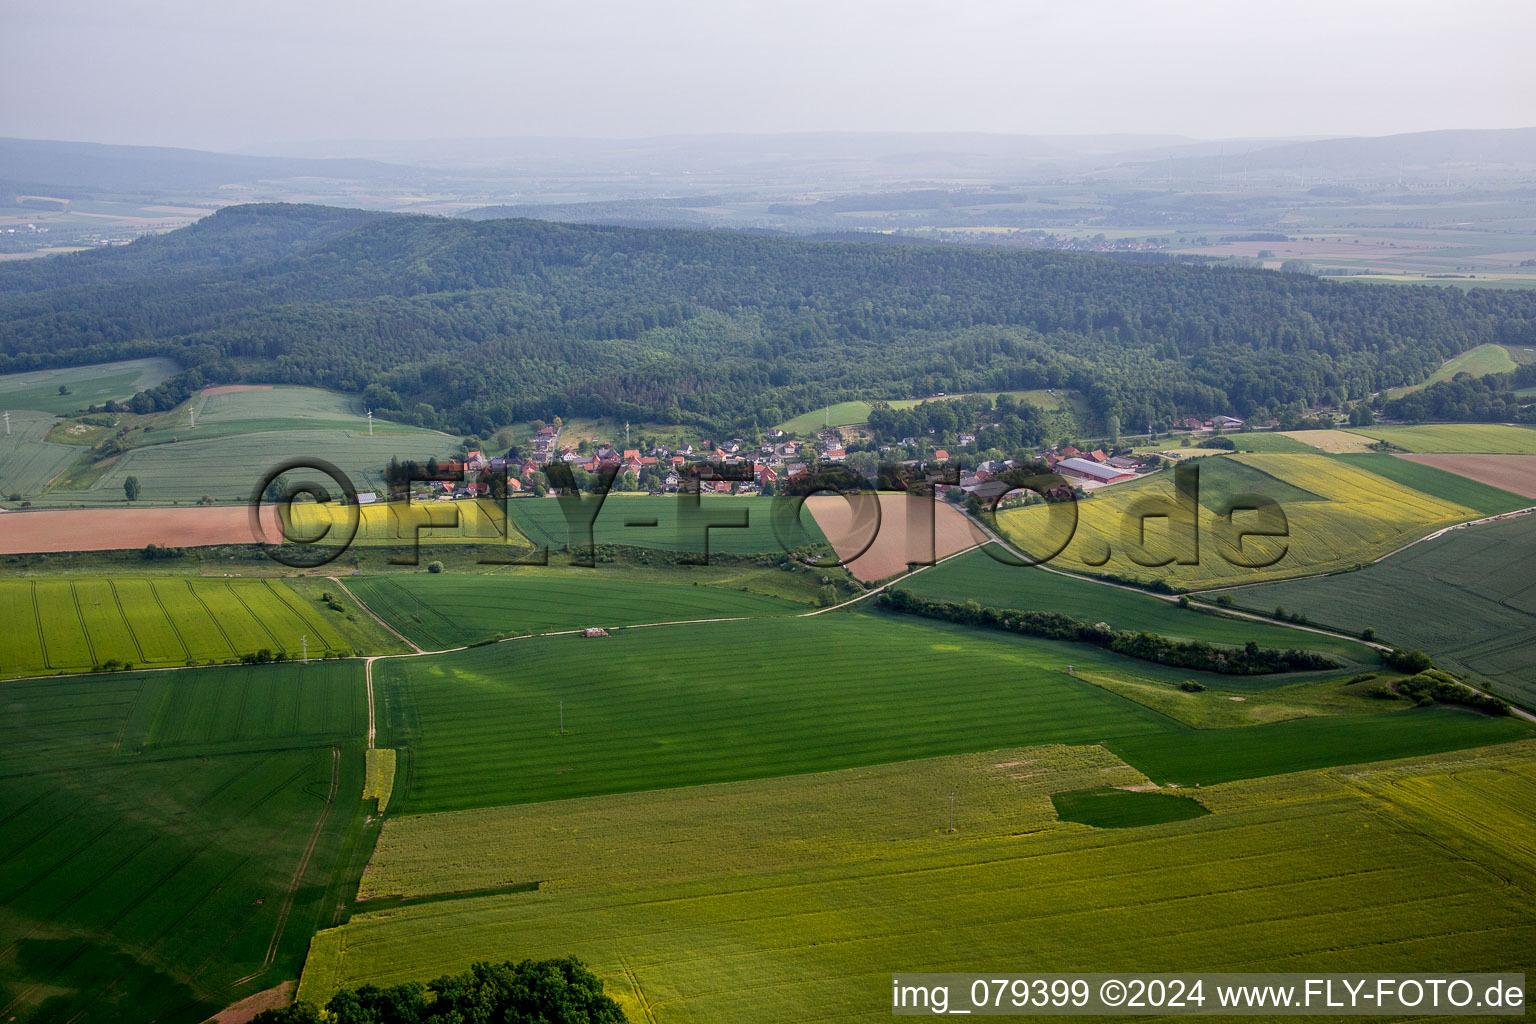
{"x":545,"y":992}
{"x":131,"y":488}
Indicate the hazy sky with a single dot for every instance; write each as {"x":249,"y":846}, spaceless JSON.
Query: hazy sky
{"x":224,"y":74}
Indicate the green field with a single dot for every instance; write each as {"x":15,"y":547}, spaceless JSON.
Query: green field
{"x":450,"y":610}
{"x":227,"y":468}
{"x":1337,"y":516}
{"x":52,"y":625}
{"x":1109,"y":807}
{"x":975,"y":576}
{"x":667,"y":522}
{"x":1468,"y":598}
{"x":1479,"y":361}
{"x":765,"y":697}
{"x":814,"y":887}
{"x":1451,"y":438}
{"x":1437,"y":483}
{"x":839,"y":414}
{"x":28,"y":461}
{"x":171,"y":838}
{"x":38,"y":390}
{"x":237,"y":438}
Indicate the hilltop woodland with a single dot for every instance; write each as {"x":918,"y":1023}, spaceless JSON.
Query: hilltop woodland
{"x":471,"y":325}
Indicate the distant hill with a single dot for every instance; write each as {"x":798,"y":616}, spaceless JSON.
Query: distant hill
{"x":90,"y":168}
{"x":470,"y":325}
{"x":1424,"y":156}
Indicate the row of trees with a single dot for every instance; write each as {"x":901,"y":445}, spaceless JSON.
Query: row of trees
{"x":561,"y":991}
{"x":1251,"y":659}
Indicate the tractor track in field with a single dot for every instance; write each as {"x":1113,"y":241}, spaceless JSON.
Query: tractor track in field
{"x":303,"y":865}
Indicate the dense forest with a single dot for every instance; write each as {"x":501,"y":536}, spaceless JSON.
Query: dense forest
{"x":470,"y":325}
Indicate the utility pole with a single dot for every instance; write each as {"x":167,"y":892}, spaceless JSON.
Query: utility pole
{"x":370,"y":422}
{"x":951,"y":810}
{"x":562,"y":718}
{"x":304,"y":644}
{"x":626,"y":435}
{"x":192,"y":412}
{"x":7,"y":423}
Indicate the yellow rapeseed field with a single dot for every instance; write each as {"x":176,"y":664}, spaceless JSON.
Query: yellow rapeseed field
{"x":1335,"y":516}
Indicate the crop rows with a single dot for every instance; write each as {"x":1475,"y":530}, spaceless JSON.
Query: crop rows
{"x":688,"y":705}
{"x":148,"y":851}
{"x":449,"y":610}
{"x":1467,"y":598}
{"x":1356,"y":516}
{"x":1282,"y":877}
{"x":61,"y":625}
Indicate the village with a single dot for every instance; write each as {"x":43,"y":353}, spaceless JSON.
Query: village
{"x":740,"y":466}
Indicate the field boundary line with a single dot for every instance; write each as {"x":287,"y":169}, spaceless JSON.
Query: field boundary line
{"x":368,"y":684}
{"x":303,"y":865}
{"x":240,"y":599}
{"x":1514,"y":709}
{"x":134,"y":706}
{"x":303,"y":616}
{"x":888,"y":583}
{"x":37,"y":619}
{"x":85,"y":631}
{"x":379,"y":619}
{"x":1436,"y":535}
{"x":154,"y":592}
{"x":233,"y":650}
{"x":117,"y":599}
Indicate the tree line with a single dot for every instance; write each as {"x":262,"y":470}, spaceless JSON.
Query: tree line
{"x":1250,"y":659}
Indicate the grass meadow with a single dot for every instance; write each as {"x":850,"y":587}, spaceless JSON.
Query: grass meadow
{"x":171,"y":838}
{"x":220,"y":443}
{"x":28,"y":461}
{"x":38,"y":390}
{"x":815,"y":888}
{"x":697,"y":704}
{"x":1468,"y":599}
{"x":1338,"y":516}
{"x":1479,"y":362}
{"x":438,"y":611}
{"x":50,"y":625}
{"x":975,"y":576}
{"x":1490,"y":438}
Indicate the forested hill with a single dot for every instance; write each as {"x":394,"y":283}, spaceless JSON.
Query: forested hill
{"x":471,"y":324}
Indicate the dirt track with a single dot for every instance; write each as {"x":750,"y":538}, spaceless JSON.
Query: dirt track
{"x":1513,"y":473}
{"x":898,"y":539}
{"x":112,"y":529}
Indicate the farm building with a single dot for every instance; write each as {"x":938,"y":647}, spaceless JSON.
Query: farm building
{"x":1093,"y":471}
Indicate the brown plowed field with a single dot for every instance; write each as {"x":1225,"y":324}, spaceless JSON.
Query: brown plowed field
{"x":1513,"y":473}
{"x":898,"y":538}
{"x":113,"y":529}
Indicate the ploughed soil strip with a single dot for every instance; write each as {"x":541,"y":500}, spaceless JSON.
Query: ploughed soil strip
{"x":897,"y":532}
{"x":116,"y":529}
{"x":1513,"y":473}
